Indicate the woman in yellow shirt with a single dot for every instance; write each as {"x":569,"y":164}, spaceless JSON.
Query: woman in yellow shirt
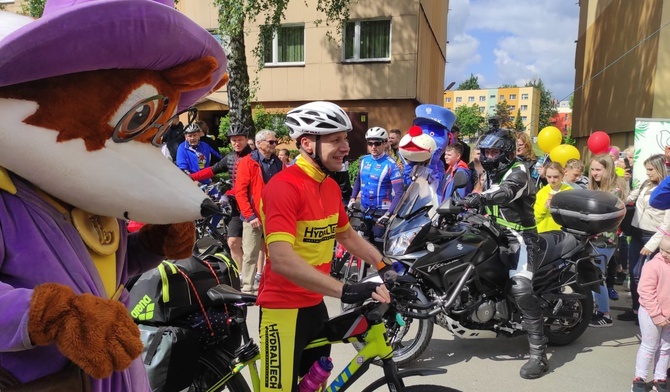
{"x":553,"y":172}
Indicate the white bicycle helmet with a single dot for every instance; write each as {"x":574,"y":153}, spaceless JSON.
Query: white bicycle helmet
{"x":317,"y":118}
{"x":377,"y":133}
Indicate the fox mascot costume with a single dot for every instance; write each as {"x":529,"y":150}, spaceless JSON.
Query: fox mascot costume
{"x":86,"y":93}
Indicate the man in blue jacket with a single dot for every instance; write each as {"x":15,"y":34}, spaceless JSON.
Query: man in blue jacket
{"x":192,"y":155}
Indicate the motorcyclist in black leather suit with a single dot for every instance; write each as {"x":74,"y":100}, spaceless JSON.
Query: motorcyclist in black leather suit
{"x":509,"y":195}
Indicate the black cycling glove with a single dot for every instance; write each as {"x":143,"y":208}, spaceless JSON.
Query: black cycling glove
{"x":358,"y":292}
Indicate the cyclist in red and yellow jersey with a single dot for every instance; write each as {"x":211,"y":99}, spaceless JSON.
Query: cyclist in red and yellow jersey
{"x":302,"y":215}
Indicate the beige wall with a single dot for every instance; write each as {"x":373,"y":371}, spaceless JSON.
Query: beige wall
{"x":325,"y":76}
{"x":622,"y":88}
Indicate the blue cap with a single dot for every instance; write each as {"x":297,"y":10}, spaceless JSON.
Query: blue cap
{"x":434,"y":114}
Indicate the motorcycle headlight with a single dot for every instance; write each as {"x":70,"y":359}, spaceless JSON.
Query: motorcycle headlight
{"x":398,"y":244}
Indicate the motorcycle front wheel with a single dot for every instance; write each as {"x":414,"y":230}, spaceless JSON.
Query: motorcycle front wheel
{"x":213,"y":365}
{"x":565,"y":330}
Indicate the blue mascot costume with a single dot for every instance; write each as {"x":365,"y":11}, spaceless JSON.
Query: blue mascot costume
{"x":426,"y":140}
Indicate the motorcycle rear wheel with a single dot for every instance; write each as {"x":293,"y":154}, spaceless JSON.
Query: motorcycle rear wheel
{"x":561,"y":332}
{"x":213,"y":365}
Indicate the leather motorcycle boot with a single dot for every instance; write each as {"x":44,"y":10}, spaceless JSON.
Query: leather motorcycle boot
{"x":537,"y":364}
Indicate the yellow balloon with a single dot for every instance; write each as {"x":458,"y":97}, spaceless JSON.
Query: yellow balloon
{"x":549,"y":138}
{"x":564,"y":153}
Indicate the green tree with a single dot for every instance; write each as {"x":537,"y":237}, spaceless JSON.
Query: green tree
{"x":469,"y":120}
{"x":504,"y":115}
{"x":547,"y":104}
{"x":263,"y":119}
{"x":472,"y":83}
{"x":233,"y":14}
{"x":33,"y":8}
{"x":508,"y":86}
{"x":518,"y":123}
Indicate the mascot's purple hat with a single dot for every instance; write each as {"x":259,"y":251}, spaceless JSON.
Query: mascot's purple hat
{"x":86,"y":35}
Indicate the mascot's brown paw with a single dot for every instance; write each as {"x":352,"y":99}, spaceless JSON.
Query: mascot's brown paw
{"x":96,"y":334}
{"x":173,"y":241}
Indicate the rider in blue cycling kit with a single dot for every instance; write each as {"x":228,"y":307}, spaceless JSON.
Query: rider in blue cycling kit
{"x":379,"y":182}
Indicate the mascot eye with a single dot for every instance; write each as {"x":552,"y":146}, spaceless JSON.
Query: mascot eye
{"x":140,"y":118}
{"x":432,"y":133}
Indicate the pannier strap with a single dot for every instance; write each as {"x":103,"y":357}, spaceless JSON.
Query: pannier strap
{"x":153,"y":347}
{"x":197,"y":296}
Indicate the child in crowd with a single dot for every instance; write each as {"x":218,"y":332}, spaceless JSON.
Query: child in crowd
{"x":603,"y":177}
{"x":553,"y":172}
{"x":574,"y":174}
{"x":654,"y":315}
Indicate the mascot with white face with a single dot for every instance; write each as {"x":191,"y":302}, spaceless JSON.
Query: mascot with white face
{"x":426,"y":140}
{"x":86,"y":93}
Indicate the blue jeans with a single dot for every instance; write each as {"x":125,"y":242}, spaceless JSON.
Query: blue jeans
{"x":602,"y":298}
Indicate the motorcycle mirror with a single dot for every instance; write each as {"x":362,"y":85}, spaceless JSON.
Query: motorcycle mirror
{"x":460,"y":180}
{"x":448,"y":207}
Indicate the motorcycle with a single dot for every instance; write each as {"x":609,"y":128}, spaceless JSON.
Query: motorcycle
{"x":457,"y":260}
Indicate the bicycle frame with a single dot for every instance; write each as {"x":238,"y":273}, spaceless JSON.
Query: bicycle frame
{"x":376,"y":345}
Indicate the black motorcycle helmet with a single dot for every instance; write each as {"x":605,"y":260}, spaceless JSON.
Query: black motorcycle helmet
{"x":237,"y":130}
{"x":499,"y":139}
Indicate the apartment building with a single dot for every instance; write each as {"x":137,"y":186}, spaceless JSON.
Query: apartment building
{"x":525,"y":99}
{"x":622,"y":66}
{"x":390,"y":58}
{"x":563,"y":117}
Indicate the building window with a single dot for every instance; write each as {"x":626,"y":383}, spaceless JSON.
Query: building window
{"x":566,"y":117}
{"x":565,"y":127}
{"x":502,"y":97}
{"x":367,"y":40}
{"x":512,"y":118}
{"x":482,"y":98}
{"x":512,"y":107}
{"x":481,"y":109}
{"x":286,"y":46}
{"x":449,"y":100}
{"x":524,"y":96}
{"x":524,"y":108}
{"x":459,"y":99}
{"x":524,"y":118}
{"x":492,"y":107}
{"x":471,"y":99}
{"x":492,"y":96}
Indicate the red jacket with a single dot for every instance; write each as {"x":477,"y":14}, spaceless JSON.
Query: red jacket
{"x":248,"y":187}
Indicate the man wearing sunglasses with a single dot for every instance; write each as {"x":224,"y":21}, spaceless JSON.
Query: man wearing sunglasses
{"x":379,"y":182}
{"x":253,"y":172}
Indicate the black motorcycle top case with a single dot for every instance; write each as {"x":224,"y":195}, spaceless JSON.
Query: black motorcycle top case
{"x":587,"y":211}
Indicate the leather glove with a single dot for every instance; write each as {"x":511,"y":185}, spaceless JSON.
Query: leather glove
{"x":384,"y":220}
{"x":351,"y":204}
{"x":472,"y":200}
{"x":95,"y":333}
{"x":358,"y":292}
{"x":174,"y":241}
{"x":220,"y":167}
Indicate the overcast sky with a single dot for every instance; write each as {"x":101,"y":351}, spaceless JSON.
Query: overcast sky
{"x":513,"y":41}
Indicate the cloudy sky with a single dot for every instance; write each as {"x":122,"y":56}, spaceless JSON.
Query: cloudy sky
{"x":513,"y":41}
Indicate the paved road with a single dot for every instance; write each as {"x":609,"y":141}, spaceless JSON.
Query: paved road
{"x":603,"y":359}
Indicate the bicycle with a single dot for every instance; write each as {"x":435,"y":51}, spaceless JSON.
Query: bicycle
{"x":355,"y":269}
{"x":206,"y":229}
{"x":221,"y":370}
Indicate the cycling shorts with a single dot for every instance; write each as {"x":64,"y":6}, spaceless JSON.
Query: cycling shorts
{"x":284,"y":333}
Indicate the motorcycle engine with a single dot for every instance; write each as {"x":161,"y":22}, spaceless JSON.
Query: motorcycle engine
{"x":488,"y":310}
{"x":484,"y":312}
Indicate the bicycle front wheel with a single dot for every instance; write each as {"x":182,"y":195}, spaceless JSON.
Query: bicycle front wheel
{"x":213,"y":365}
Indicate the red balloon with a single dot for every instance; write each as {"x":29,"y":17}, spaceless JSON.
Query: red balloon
{"x":599,"y":142}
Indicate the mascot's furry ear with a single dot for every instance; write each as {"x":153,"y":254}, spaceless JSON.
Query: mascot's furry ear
{"x":192,"y":75}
